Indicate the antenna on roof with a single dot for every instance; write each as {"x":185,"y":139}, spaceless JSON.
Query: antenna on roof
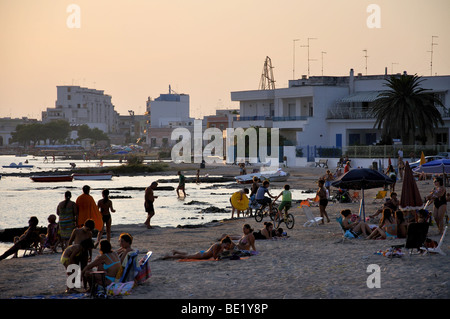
{"x":267,"y":81}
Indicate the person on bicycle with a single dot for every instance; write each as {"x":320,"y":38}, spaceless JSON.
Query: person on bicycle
{"x":260,"y":195}
{"x":286,"y":200}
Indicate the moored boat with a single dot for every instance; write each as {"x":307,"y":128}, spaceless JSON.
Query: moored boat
{"x":94,"y":176}
{"x":52,"y":178}
{"x":272,"y":176}
{"x":20,"y":165}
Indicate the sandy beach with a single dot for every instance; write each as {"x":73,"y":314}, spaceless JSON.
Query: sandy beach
{"x":313,"y":263}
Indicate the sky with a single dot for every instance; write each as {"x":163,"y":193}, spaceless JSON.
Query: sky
{"x":205,"y":48}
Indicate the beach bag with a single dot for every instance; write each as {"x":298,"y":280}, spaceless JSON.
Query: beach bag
{"x":120,"y":288}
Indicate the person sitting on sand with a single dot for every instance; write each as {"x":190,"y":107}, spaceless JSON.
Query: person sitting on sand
{"x":51,"y":239}
{"x":402,"y":225}
{"x":80,"y":234}
{"x":213,"y":251}
{"x":246,"y":241}
{"x":108,"y":261}
{"x":125,"y":241}
{"x":28,"y":238}
{"x":73,"y":254}
{"x":358,"y":227}
{"x":392,"y":203}
{"x":265,"y":233}
{"x":387,"y":227}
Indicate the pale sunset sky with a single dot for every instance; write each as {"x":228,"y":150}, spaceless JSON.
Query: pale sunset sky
{"x":205,"y":48}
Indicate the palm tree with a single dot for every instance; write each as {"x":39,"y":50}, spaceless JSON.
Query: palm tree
{"x":406,"y":109}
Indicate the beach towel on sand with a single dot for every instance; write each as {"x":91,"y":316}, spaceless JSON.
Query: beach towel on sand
{"x":87,"y":209}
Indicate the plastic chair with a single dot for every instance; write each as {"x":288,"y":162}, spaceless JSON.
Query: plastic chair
{"x":380,"y":195}
{"x":437,"y":249}
{"x":310,"y":219}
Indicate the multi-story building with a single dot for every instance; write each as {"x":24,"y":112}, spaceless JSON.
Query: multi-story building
{"x":8,"y":126}
{"x":329,"y":111}
{"x":79,"y":105}
{"x":167,"y":112}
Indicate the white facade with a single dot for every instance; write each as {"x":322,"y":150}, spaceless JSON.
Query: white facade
{"x":169,"y":110}
{"x":328,"y":111}
{"x":79,"y":105}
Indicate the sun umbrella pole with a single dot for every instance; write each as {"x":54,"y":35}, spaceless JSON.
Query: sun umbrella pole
{"x":362,"y":213}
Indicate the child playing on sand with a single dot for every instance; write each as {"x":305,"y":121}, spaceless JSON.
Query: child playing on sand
{"x":213,"y":251}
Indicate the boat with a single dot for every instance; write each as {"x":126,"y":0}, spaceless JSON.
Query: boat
{"x":52,"y":178}
{"x":20,"y":165}
{"x":272,"y":176}
{"x":94,"y":176}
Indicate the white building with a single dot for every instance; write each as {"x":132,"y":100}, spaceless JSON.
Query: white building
{"x":79,"y":105}
{"x":329,"y":111}
{"x":167,"y":112}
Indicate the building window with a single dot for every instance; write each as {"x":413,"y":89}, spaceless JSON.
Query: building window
{"x":311,"y":109}
{"x":69,"y":97}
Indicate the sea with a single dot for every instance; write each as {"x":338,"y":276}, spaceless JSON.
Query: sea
{"x":21,"y":198}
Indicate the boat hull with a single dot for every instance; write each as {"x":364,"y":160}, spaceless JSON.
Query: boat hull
{"x":92,"y":177}
{"x":52,"y":178}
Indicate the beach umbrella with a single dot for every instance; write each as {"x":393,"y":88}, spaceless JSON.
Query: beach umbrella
{"x":410,"y":197}
{"x":121,"y":152}
{"x":362,"y":178}
{"x":439,"y":166}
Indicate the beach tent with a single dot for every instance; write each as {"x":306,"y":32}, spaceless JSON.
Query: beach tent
{"x":361,"y":179}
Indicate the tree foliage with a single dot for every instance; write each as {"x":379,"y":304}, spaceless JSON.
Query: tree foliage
{"x":406,"y":110}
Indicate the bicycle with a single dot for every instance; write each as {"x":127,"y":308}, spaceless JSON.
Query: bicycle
{"x":287,"y":218}
{"x":263,"y":210}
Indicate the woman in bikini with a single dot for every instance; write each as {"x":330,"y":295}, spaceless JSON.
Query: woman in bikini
{"x":213,"y":251}
{"x":108,"y":261}
{"x":438,"y":196}
{"x":387,"y":228}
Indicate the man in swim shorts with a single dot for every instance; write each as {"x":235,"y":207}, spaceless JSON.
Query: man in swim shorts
{"x":148,"y":204}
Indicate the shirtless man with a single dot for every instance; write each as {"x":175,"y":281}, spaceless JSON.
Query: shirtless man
{"x":81,"y":234}
{"x":148,"y":204}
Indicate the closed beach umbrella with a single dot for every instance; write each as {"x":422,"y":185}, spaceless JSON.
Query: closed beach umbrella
{"x":410,"y":198}
{"x":362,"y":178}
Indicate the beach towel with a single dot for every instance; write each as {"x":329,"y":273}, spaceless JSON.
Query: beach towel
{"x":87,"y":209}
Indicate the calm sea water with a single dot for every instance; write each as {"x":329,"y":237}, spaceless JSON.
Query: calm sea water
{"x":21,"y":197}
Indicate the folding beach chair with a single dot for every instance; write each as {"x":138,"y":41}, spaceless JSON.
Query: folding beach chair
{"x":355,"y":197}
{"x":310,"y":219}
{"x":346,"y":234}
{"x":437,"y":249}
{"x":380,"y":195}
{"x":416,"y":236}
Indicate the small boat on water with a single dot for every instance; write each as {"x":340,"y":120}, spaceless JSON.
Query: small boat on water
{"x":272,"y":176}
{"x":92,"y":177}
{"x":20,"y":165}
{"x":52,"y":178}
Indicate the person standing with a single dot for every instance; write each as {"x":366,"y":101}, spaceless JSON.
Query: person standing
{"x":438,"y":196}
{"x":67,"y":212}
{"x":148,"y":204}
{"x":323,"y":200}
{"x":106,"y":208}
{"x":182,"y":181}
{"x":87,"y":209}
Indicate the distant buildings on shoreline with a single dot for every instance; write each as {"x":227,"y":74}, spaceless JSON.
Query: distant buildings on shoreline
{"x":324,"y":111}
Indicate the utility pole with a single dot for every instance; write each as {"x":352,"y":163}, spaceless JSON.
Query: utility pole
{"x":307,"y":46}
{"x":366,"y":56}
{"x":431,"y":61}
{"x":322,"y":60}
{"x":293,"y":58}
